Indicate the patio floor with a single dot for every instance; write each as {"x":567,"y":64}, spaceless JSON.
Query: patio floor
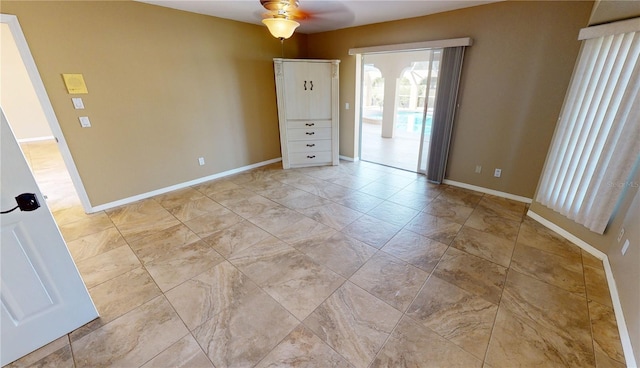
{"x":400,"y":152}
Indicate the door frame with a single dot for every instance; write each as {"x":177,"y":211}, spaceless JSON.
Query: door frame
{"x":45,"y":103}
{"x":399,"y":58}
{"x":359,"y":52}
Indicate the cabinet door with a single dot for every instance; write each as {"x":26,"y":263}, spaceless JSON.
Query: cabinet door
{"x":319,"y":76}
{"x":296,"y":91}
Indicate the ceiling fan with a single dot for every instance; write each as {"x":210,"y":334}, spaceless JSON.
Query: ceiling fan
{"x":280,"y":16}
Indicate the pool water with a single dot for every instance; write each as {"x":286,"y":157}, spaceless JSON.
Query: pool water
{"x":407,"y":121}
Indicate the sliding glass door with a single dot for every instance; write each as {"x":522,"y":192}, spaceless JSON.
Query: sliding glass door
{"x":433,"y":71}
{"x":394,"y":87}
{"x":408,"y":104}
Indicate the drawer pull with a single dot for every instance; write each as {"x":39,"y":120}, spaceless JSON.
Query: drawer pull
{"x":311,"y":156}
{"x":311,"y":145}
{"x":310,"y":133}
{"x":310,"y":124}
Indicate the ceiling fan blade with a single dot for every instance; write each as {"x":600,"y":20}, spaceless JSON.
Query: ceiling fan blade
{"x":316,"y":13}
{"x":312,"y":15}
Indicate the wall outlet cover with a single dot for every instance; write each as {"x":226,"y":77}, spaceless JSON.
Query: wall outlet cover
{"x":625,"y":247}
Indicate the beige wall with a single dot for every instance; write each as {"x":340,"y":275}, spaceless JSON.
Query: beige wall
{"x":165,"y":87}
{"x":612,"y":10}
{"x":17,"y":95}
{"x":625,"y":267}
{"x":513,"y":82}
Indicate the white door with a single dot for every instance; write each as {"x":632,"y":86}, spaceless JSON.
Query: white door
{"x":297,"y":88}
{"x":320,"y":90}
{"x":42,"y":295}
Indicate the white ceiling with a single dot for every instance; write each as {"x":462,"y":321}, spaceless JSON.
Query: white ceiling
{"x":326,"y":15}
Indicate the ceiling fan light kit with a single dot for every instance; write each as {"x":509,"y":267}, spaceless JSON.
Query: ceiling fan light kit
{"x":278,"y":18}
{"x":281,"y":28}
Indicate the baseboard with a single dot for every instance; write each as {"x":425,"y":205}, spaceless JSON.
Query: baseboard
{"x":156,"y":192}
{"x":487,"y":191}
{"x":567,"y":235}
{"x":625,"y":339}
{"x":347,"y":158}
{"x":37,"y":139}
{"x":613,"y":289}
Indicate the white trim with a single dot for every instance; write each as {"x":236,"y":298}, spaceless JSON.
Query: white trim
{"x":452,"y":42}
{"x":37,"y":139}
{"x":171,"y":188}
{"x":623,"y":26}
{"x":613,"y":290}
{"x":625,"y":339}
{"x":487,"y":191}
{"x":567,"y":235}
{"x":347,"y":158}
{"x":41,"y":93}
{"x":334,"y":61}
{"x":357,"y":109}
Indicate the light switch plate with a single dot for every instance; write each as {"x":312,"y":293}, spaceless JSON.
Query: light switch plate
{"x":77,"y":103}
{"x":84,"y":122}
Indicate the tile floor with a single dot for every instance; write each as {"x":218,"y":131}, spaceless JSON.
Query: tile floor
{"x":356,"y":265}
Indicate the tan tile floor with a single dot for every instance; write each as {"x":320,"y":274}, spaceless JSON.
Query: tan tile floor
{"x":357,"y":265}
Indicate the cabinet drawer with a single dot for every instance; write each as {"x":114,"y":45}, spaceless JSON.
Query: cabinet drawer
{"x":296,"y":134}
{"x":309,"y":124}
{"x":309,"y":158}
{"x":310,"y":146}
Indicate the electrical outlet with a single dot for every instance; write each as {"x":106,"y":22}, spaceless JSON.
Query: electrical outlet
{"x":620,"y":234}
{"x":497,"y":173}
{"x":201,"y":160}
{"x":478,"y":169}
{"x":625,"y":247}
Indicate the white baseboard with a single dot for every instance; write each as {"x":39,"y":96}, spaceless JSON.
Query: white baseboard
{"x":37,"y":139}
{"x":567,"y":235}
{"x":156,"y":192}
{"x":487,"y":191}
{"x":347,"y":158}
{"x":613,"y":289}
{"x":625,"y":339}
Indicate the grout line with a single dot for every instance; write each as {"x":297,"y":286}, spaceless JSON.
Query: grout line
{"x":346,"y":279}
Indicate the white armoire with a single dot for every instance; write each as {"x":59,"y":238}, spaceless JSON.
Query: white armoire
{"x":307,"y":93}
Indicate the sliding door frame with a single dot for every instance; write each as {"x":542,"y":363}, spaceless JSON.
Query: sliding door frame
{"x":359,"y":53}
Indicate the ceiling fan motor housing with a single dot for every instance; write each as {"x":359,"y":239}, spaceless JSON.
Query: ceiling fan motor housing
{"x":280,"y":5}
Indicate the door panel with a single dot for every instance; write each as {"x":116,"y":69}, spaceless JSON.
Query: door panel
{"x":435,"y":57}
{"x":42,"y":296}
{"x":24,"y":291}
{"x":297,"y":91}
{"x":319,"y":90}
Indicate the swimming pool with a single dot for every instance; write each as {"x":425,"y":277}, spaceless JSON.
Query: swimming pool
{"x":406,"y":121}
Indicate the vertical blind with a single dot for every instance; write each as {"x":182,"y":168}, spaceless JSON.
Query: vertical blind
{"x":597,"y":141}
{"x":444,"y":112}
